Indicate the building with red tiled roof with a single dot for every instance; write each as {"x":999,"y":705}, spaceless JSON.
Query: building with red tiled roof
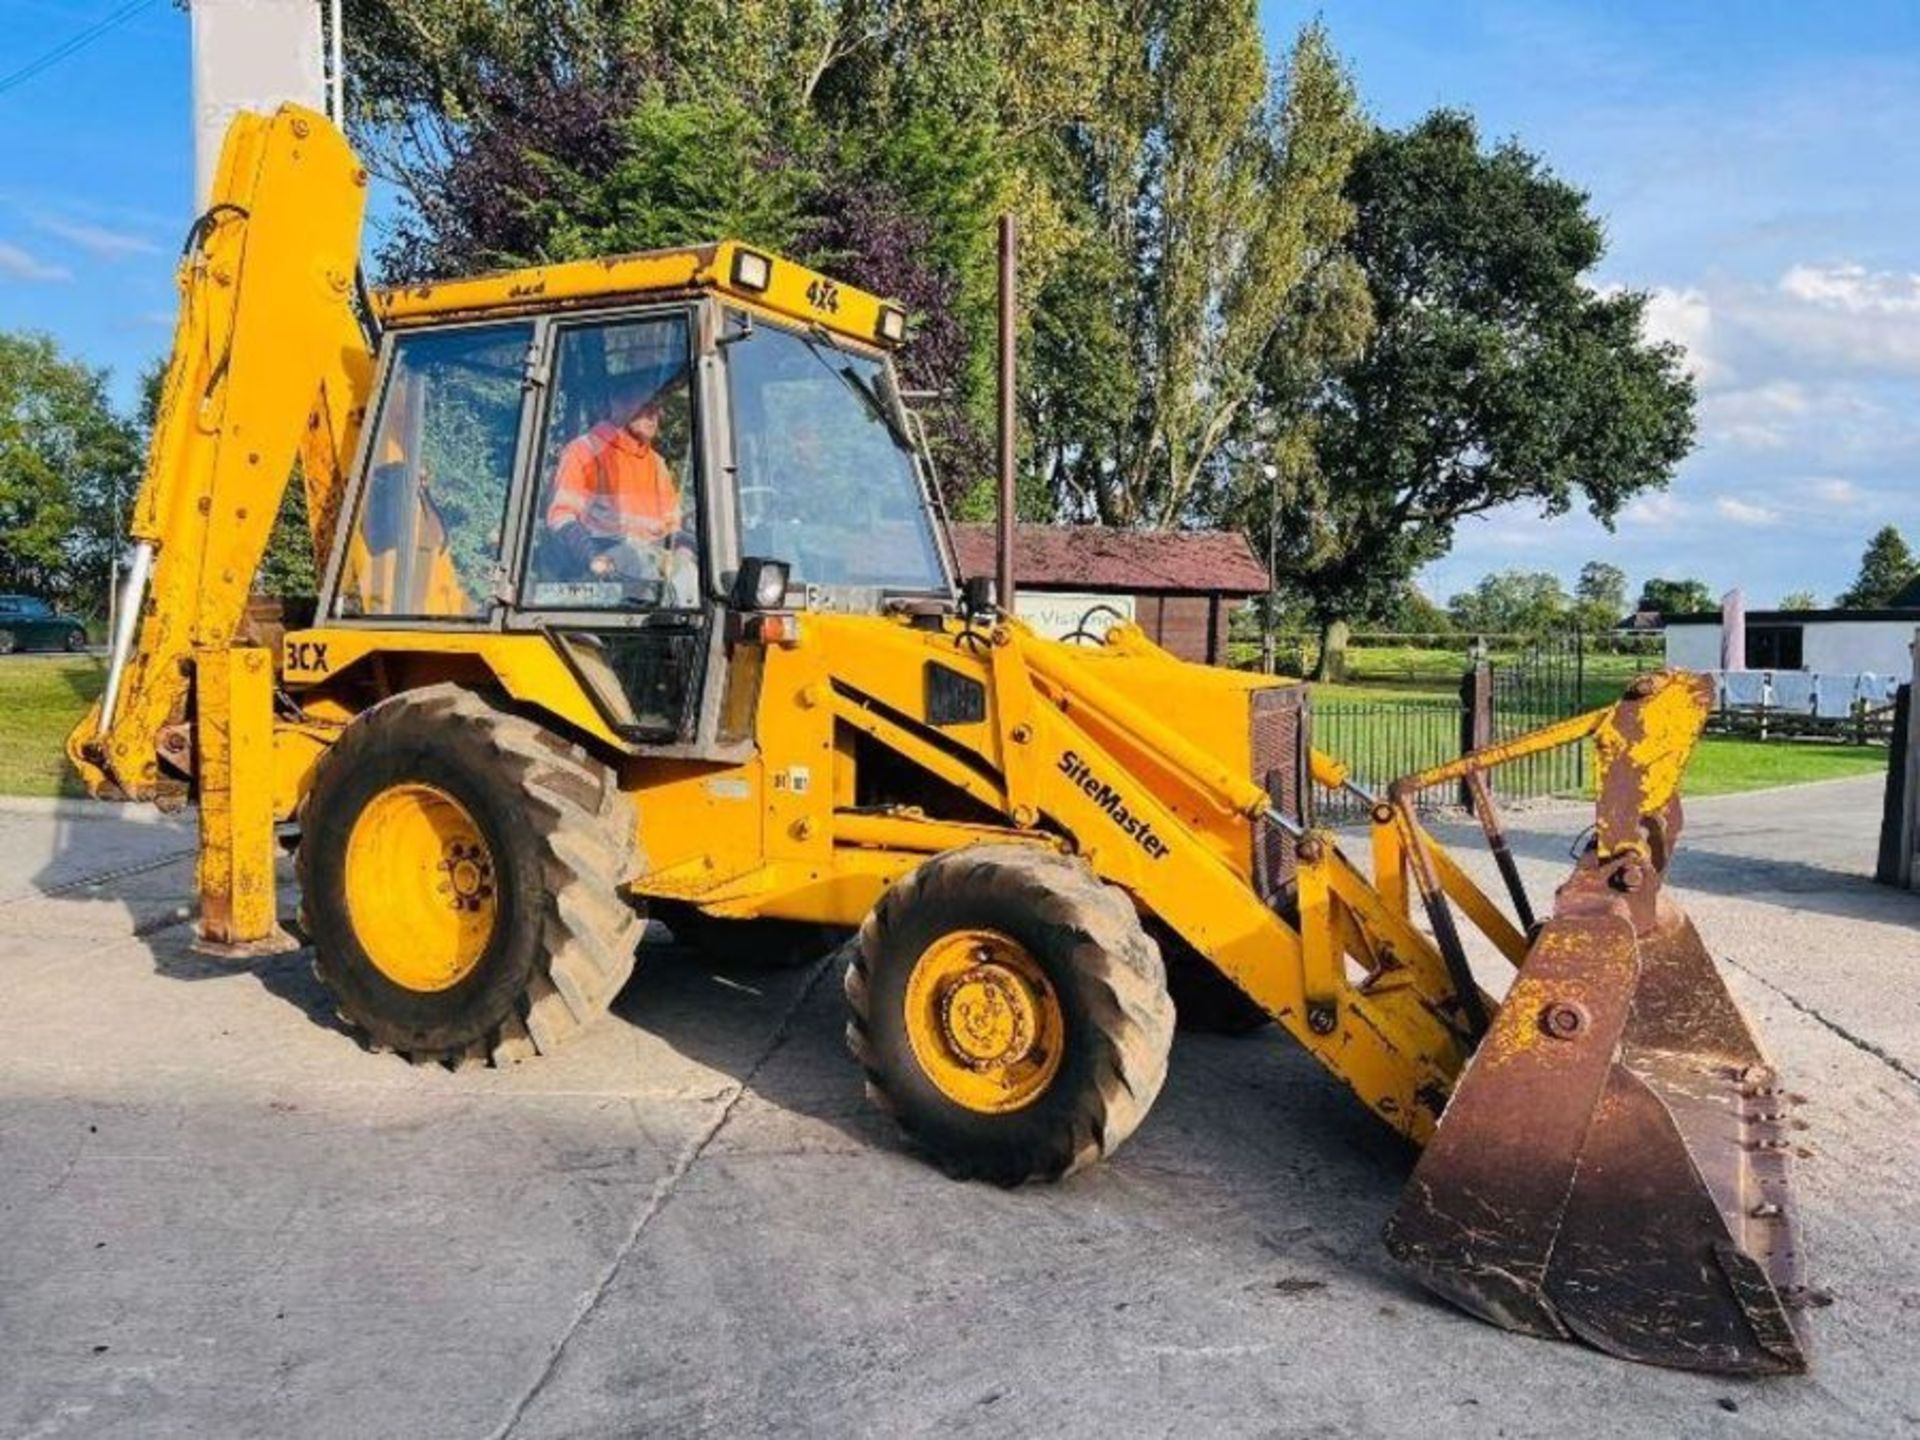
{"x":1180,"y":586}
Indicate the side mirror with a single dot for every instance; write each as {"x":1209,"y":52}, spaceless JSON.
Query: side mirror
{"x":979,"y":597}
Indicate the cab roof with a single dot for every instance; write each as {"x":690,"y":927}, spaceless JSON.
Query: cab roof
{"x":726,"y":267}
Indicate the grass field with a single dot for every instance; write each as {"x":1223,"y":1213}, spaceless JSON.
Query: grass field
{"x":1724,"y":764}
{"x":41,"y":699}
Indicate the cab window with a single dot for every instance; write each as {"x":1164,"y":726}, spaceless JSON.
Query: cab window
{"x":425,"y":541}
{"x":826,"y":471}
{"x":615,"y":523}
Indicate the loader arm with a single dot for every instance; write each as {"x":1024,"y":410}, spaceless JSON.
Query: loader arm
{"x":269,"y":363}
{"x":1604,"y":1144}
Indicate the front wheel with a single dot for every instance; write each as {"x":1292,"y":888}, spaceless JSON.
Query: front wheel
{"x":9,"y":642}
{"x":1010,"y":1012}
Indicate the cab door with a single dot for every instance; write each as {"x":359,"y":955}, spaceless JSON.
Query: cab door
{"x":614,"y":525}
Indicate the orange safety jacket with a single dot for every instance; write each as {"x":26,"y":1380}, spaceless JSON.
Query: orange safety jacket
{"x":616,"y":486}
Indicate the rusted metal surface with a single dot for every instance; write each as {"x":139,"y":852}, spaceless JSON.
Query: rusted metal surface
{"x":1612,"y":1166}
{"x":1280,"y":745}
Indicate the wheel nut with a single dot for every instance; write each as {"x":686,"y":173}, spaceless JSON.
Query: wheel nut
{"x":1564,"y":1019}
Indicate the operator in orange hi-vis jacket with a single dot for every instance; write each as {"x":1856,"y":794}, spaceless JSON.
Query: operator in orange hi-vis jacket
{"x":616,"y":509}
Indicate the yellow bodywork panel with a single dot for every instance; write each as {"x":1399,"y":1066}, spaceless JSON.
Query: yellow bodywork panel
{"x":526,"y":666}
{"x":792,"y":290}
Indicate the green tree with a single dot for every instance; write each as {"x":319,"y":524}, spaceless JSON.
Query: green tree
{"x":1410,"y":612}
{"x":1799,"y":600}
{"x":1498,"y":374}
{"x":1600,"y":596}
{"x":1513,"y":602}
{"x":1205,"y":247}
{"x":1181,"y":212}
{"x":1677,"y":597}
{"x":68,"y":465}
{"x":1886,"y":565}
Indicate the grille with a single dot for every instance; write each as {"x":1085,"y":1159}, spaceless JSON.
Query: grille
{"x":1282,"y":742}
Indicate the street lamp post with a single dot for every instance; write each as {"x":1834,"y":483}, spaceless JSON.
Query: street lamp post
{"x":1272,"y":472}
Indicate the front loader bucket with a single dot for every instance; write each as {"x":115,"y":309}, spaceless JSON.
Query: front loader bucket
{"x":1612,"y":1164}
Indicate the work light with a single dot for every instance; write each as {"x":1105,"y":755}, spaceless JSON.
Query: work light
{"x":761,"y":584}
{"x":752,"y":270}
{"x":893,"y":324}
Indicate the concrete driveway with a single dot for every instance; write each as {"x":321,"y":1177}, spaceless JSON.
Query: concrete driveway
{"x":222,"y":1217}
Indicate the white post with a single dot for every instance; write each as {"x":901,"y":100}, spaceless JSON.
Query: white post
{"x":339,"y":67}
{"x":1910,"y":795}
{"x":249,"y":55}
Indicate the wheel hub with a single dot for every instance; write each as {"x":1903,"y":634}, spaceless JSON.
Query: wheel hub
{"x":985,"y":1024}
{"x":988,"y":1017}
{"x":469,"y":873}
{"x":421,"y":889}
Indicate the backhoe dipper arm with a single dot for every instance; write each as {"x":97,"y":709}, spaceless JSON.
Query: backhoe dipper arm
{"x":269,"y":361}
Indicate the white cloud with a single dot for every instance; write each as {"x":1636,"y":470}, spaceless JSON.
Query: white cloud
{"x":17,"y":264}
{"x":1756,"y":417}
{"x":1684,"y":317}
{"x":1659,"y":511}
{"x":1854,"y":288}
{"x":97,"y":239}
{"x":1834,"y":490}
{"x":1742,"y":512}
{"x":1842,"y":318}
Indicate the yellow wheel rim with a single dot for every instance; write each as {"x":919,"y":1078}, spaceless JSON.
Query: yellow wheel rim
{"x":421,"y":890}
{"x":984,"y":1022}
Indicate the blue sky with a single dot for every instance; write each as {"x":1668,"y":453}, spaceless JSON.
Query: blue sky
{"x":1757,"y":167}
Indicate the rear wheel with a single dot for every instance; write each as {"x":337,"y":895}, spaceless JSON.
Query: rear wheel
{"x":9,"y":642}
{"x":76,"y":640}
{"x":1011,"y":1013}
{"x":459,"y":867}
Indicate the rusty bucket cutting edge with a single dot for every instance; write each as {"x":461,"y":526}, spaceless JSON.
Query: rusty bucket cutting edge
{"x":1612,"y":1166}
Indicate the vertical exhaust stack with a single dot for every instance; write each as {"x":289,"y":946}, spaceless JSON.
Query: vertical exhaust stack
{"x":1009,"y":254}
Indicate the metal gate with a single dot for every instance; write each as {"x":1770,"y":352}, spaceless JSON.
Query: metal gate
{"x":1381,"y":740}
{"x":1543,"y":683}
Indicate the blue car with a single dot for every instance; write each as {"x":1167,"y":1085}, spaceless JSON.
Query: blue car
{"x":27,"y":623}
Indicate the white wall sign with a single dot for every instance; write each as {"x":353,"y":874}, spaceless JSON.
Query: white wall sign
{"x":1058,"y":615}
{"x":249,"y":55}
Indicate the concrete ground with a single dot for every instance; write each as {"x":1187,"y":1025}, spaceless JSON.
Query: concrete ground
{"x":222,"y":1217}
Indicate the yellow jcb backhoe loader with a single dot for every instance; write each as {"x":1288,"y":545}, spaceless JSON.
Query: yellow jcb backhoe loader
{"x":636,"y":594}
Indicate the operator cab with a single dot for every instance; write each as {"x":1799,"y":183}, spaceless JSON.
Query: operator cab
{"x":599,"y":471}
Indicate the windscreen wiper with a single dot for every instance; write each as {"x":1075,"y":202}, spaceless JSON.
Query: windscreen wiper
{"x":865,"y":389}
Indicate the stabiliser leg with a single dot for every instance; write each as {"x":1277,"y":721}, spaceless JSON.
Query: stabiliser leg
{"x":233,"y":731}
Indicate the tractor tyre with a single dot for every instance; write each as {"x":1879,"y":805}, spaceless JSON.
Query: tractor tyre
{"x":459,"y":871}
{"x":1010,"y":1012}
{"x":749,"y":944}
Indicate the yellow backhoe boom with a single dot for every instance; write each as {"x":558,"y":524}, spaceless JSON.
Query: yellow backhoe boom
{"x":269,"y":362}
